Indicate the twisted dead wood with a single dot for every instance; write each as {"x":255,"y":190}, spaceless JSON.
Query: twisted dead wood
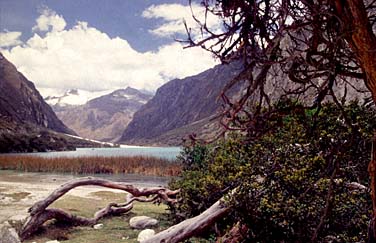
{"x":191,"y":227}
{"x":40,"y":213}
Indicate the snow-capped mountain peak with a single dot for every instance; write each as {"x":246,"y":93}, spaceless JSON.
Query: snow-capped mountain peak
{"x":73,"y":97}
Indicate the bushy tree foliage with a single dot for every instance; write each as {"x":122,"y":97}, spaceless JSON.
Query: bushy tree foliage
{"x":301,"y":181}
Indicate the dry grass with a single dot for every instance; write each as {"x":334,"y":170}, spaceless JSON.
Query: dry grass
{"x":92,"y":165}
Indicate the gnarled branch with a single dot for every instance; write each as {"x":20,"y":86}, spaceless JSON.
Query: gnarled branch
{"x":40,"y":213}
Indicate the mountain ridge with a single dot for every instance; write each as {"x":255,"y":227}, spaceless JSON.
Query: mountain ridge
{"x":103,"y":118}
{"x":184,"y":107}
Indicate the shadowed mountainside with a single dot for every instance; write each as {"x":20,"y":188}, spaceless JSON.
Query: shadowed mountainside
{"x":27,"y":122}
{"x":189,"y":106}
{"x":20,"y":100}
{"x":178,"y":106}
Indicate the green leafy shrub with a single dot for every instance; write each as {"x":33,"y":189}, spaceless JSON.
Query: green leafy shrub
{"x":301,"y":181}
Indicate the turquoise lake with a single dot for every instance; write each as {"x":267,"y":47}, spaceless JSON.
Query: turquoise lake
{"x":160,"y":152}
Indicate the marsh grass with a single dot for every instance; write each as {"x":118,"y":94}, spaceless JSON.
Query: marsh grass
{"x":92,"y":165}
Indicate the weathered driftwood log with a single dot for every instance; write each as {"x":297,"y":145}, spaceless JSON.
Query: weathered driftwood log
{"x":191,"y":227}
{"x":39,"y":213}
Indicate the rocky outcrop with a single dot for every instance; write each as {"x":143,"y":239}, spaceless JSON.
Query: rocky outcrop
{"x":103,"y":118}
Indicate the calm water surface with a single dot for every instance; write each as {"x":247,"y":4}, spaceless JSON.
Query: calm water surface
{"x":160,"y":152}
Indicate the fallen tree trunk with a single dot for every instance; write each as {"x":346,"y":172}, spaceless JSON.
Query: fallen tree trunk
{"x":39,"y":213}
{"x":137,"y":192}
{"x":193,"y":226}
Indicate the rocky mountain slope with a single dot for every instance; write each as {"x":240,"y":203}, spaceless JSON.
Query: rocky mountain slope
{"x":103,"y":118}
{"x":27,"y":122}
{"x":20,"y":100}
{"x":188,"y":106}
{"x":177,"y":108}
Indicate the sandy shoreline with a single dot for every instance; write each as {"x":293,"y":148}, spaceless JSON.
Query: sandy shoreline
{"x":18,"y":191}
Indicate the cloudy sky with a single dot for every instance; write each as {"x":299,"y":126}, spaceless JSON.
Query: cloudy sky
{"x":97,"y":45}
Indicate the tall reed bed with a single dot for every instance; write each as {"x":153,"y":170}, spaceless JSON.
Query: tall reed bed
{"x":92,"y":165}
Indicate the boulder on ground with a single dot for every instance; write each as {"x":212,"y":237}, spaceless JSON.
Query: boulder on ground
{"x":98,"y":226}
{"x":142,"y":222}
{"x":145,"y":234}
{"x":8,"y":234}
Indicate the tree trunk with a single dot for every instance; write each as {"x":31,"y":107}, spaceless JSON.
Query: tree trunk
{"x":362,"y":41}
{"x":192,"y":226}
{"x":360,"y":37}
{"x":372,"y":173}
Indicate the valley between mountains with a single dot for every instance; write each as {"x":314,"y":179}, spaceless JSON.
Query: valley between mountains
{"x":179,"y":109}
{"x":127,"y":116}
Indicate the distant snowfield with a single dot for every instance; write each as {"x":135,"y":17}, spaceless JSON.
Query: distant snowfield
{"x":133,"y":146}
{"x":91,"y":140}
{"x":74,"y":97}
{"x":108,"y":143}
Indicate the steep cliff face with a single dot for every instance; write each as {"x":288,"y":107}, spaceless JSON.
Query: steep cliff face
{"x":103,"y":118}
{"x":21,"y":101}
{"x":27,"y":123}
{"x":177,"y":104}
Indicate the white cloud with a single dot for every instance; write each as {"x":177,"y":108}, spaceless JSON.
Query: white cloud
{"x":83,"y":57}
{"x":8,"y":39}
{"x":49,"y":20}
{"x":174,"y":16}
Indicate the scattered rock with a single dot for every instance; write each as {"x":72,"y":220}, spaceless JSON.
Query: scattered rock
{"x":142,"y":222}
{"x":145,"y":234}
{"x":8,"y":234}
{"x":98,"y":226}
